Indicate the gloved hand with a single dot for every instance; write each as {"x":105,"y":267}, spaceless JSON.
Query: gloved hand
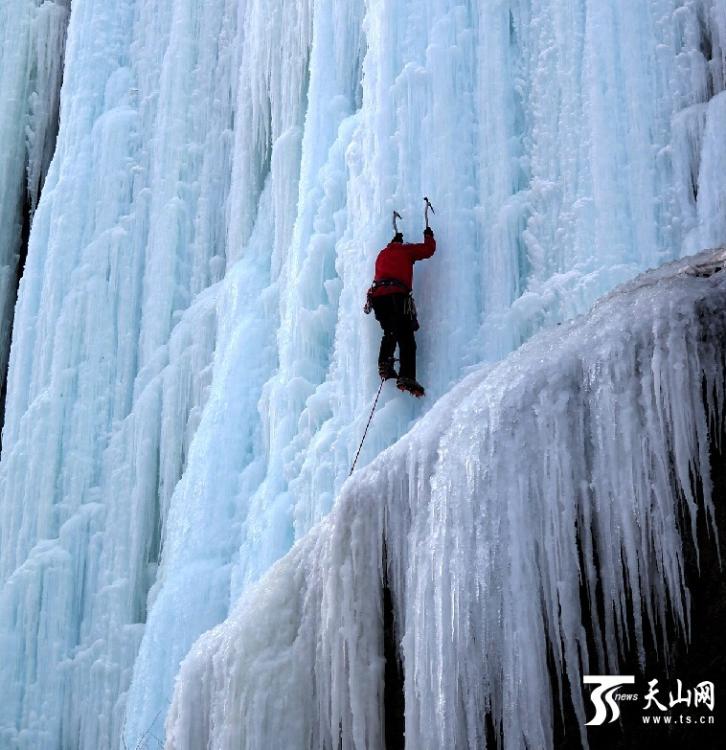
{"x":428,"y":232}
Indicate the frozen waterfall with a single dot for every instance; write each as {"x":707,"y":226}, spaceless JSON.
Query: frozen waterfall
{"x":561,"y":469}
{"x":190,"y":369}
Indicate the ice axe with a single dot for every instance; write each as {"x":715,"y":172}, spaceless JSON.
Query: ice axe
{"x":426,"y":210}
{"x":396,"y":216}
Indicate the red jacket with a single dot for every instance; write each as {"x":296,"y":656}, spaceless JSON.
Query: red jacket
{"x":396,"y":261}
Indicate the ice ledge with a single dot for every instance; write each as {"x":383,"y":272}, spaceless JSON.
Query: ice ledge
{"x":560,"y":472}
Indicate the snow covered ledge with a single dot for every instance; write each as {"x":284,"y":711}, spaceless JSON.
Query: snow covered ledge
{"x":564,"y":469}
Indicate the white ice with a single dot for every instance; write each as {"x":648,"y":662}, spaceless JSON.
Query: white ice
{"x":567,"y":465}
{"x":191,"y":371}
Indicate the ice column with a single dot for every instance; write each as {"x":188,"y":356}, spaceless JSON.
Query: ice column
{"x":113,"y":340}
{"x":32,"y":44}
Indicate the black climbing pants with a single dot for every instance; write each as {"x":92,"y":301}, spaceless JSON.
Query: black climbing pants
{"x":394,"y":314}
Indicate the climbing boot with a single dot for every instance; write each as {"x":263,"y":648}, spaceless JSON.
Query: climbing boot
{"x":386,"y":371}
{"x":410,"y":385}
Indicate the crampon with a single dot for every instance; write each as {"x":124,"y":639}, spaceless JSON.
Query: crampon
{"x":410,"y":385}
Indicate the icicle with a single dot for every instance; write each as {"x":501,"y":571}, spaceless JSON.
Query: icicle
{"x":591,"y":431}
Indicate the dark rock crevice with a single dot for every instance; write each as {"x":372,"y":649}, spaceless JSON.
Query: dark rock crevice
{"x":393,"y":690}
{"x":9,"y":313}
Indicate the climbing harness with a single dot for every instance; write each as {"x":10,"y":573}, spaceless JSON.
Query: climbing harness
{"x":375,"y":403}
{"x":389,"y":282}
{"x":409,"y":304}
{"x":375,"y":285}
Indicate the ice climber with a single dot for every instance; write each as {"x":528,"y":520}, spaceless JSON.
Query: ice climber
{"x":390,"y":299}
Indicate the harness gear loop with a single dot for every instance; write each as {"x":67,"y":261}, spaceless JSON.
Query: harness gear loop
{"x":409,"y":310}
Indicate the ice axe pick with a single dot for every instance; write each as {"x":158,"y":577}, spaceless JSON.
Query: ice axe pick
{"x":426,"y":210}
{"x":396,"y":216}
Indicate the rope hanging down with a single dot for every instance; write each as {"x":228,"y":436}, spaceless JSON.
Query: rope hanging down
{"x":375,"y":403}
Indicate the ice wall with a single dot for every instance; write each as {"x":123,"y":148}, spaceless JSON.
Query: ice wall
{"x":110,"y":358}
{"x":190,"y":370}
{"x":32,"y":42}
{"x":564,"y":468}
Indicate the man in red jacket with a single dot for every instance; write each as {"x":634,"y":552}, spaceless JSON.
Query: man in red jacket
{"x":391,"y":301}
